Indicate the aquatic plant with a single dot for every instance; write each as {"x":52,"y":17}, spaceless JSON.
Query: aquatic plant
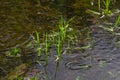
{"x":47,"y":45}
{"x":38,"y":49}
{"x":54,"y":39}
{"x":37,"y":38}
{"x":107,"y":5}
{"x":59,"y":49}
{"x":15,"y":51}
{"x":117,"y":21}
{"x":105,"y":10}
{"x":62,"y":28}
{"x":19,"y":78}
{"x":62,"y":35}
{"x":99,"y":6}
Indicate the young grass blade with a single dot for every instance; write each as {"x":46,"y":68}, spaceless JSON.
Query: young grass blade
{"x":59,"y":50}
{"x":99,"y":4}
{"x":38,"y":44}
{"x":37,"y":38}
{"x":107,"y":4}
{"x":117,"y":21}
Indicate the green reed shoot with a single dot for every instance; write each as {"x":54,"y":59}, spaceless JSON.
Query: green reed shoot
{"x":99,"y":1}
{"x":59,"y":48}
{"x":47,"y":45}
{"x":62,"y":28}
{"x":107,"y":5}
{"x":117,"y":22}
{"x":37,"y":37}
{"x":63,"y":25}
{"x":38,"y":44}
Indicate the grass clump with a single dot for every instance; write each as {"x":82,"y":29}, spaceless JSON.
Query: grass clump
{"x":103,"y":8}
{"x":55,"y":40}
{"x":62,"y":28}
{"x":107,"y":5}
{"x":15,"y":52}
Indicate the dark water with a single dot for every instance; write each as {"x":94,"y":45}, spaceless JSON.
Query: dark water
{"x":103,"y":60}
{"x":20,"y":19}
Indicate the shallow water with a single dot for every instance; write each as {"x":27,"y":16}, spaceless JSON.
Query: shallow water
{"x":100,"y":63}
